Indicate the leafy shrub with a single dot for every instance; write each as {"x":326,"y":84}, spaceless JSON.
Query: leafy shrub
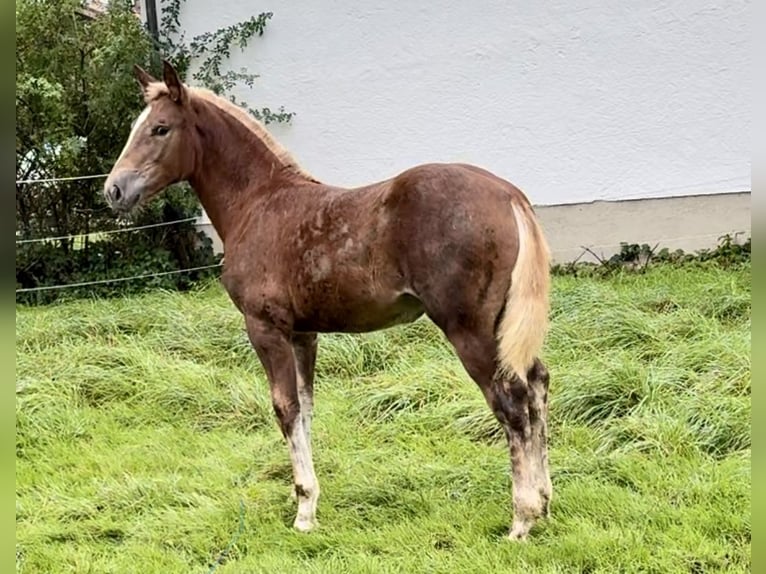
{"x":635,"y":257}
{"x":75,"y":100}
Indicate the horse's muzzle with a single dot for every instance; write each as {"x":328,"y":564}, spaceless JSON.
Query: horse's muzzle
{"x":123,"y":190}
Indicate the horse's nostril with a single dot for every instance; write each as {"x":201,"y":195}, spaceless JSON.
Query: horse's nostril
{"x":116,"y":193}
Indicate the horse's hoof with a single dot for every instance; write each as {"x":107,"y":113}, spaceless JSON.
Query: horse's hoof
{"x":519,"y":531}
{"x":304,"y":525}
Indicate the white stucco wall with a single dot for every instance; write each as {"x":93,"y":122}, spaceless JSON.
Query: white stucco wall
{"x":572,"y":100}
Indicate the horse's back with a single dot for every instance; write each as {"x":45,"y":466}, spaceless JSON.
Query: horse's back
{"x":459,"y":182}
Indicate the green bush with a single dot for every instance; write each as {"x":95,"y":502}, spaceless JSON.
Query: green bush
{"x":75,"y":100}
{"x":635,"y":257}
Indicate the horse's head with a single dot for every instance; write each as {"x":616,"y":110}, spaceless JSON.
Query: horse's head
{"x":161,"y":148}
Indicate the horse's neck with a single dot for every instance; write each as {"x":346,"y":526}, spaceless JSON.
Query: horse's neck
{"x":235,"y":170}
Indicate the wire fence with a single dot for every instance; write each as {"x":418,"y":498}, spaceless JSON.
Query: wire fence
{"x":105,"y":232}
{"x":116,"y":279}
{"x":57,"y":179}
{"x":93,"y":233}
{"x":585,"y":249}
{"x":76,"y":236}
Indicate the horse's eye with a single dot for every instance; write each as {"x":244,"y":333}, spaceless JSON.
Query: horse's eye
{"x":160,"y":130}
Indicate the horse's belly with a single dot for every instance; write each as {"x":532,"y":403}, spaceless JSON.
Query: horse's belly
{"x":358,"y":315}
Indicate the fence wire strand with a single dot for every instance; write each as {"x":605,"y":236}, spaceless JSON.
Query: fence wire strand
{"x":108,"y":231}
{"x":57,"y":179}
{"x":116,"y":279}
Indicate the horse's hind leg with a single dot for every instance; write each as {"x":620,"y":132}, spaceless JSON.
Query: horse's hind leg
{"x":512,"y":403}
{"x":518,"y":409}
{"x":537,"y":379}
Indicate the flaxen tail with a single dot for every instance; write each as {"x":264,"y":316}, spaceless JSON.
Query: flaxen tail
{"x":524,"y":324}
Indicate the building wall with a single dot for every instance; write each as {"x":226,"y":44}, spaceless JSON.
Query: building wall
{"x":574,"y":101}
{"x":687,"y":222}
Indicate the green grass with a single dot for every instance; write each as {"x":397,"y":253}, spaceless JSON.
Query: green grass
{"x":143,"y":422}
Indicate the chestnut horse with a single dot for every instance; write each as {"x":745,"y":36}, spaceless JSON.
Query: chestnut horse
{"x":451,"y":241}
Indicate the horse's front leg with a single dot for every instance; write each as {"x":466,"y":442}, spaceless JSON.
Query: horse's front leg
{"x":305,"y":349}
{"x":275,"y":350}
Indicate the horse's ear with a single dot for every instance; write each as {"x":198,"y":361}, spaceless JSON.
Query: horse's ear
{"x":144,"y":78}
{"x":173,"y":82}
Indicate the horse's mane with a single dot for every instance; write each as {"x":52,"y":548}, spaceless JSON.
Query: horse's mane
{"x":157,"y":90}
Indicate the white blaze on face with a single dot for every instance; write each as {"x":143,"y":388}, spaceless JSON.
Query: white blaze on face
{"x":134,"y":130}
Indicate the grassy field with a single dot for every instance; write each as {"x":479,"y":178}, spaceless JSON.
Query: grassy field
{"x":146,"y":441}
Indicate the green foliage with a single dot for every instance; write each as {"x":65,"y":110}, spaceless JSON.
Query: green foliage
{"x":75,"y":96}
{"x":635,"y":257}
{"x":143,"y":422}
{"x":75,"y":100}
{"x":209,"y":50}
{"x":140,"y":253}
